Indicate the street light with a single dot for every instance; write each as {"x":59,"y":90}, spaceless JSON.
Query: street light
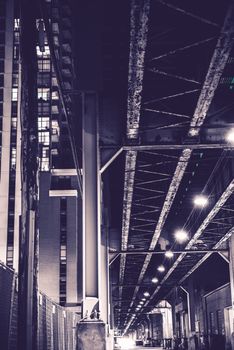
{"x":161,"y":268}
{"x":181,"y":236}
{"x":169,"y":254}
{"x":230,"y":136}
{"x":155,"y":280}
{"x":200,"y":201}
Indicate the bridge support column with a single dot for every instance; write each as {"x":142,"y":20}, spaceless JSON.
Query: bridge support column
{"x":92,"y":332}
{"x":231,"y":269}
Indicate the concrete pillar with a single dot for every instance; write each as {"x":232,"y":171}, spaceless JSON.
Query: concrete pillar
{"x":91,"y":222}
{"x":95,"y":292}
{"x":191,"y":315}
{"x":231,"y":269}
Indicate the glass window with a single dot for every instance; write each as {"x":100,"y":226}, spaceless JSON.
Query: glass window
{"x":14,"y":122}
{"x":43,"y":108}
{"x":14,"y":94}
{"x":16,"y":24}
{"x":43,"y":93}
{"x":44,"y":137}
{"x":44,"y":65}
{"x":45,"y":53}
{"x":43,"y":123}
{"x":16,"y":37}
{"x":55,"y":95}
{"x":13,"y":158}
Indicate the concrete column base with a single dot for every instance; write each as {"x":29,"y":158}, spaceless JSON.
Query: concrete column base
{"x":91,"y":335}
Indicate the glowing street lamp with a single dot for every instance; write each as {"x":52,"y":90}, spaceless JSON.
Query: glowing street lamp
{"x":181,"y":236}
{"x":200,"y":201}
{"x":161,"y":268}
{"x":169,"y":254}
{"x":230,"y":136}
{"x":155,"y":280}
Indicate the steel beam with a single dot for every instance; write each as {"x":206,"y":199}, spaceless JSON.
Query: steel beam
{"x":138,"y":40}
{"x":91,"y":239}
{"x":222,"y":200}
{"x":140,"y":148}
{"x":187,"y":13}
{"x":110,"y":161}
{"x":195,"y":267}
{"x":187,"y":251}
{"x":216,"y":68}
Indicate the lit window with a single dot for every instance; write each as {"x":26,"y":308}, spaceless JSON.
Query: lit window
{"x":44,"y":94}
{"x":16,"y":37}
{"x":45,"y":53}
{"x":13,"y":158}
{"x":16,"y":23}
{"x":44,"y":137}
{"x":44,"y":164}
{"x":44,"y":65}
{"x":55,"y":95}
{"x":13,"y":122}
{"x":43,"y":123}
{"x":14,"y":94}
{"x":63,"y":252}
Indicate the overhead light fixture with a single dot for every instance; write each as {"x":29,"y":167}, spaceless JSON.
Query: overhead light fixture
{"x":200,"y":201}
{"x":181,"y":236}
{"x":161,"y":268}
{"x":230,"y":136}
{"x":169,"y":254}
{"x":155,"y":280}
{"x":143,"y":299}
{"x":141,"y":302}
{"x":146,"y":294}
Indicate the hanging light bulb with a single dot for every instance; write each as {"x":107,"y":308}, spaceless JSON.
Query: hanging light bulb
{"x":230,"y":136}
{"x":161,"y":268}
{"x":181,"y":236}
{"x":155,"y":280}
{"x":200,"y":201}
{"x":169,"y":254}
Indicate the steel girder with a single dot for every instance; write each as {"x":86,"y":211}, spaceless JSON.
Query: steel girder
{"x":214,"y":211}
{"x":138,"y":40}
{"x":216,"y":68}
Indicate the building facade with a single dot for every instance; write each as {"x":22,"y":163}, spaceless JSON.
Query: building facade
{"x":58,"y":190}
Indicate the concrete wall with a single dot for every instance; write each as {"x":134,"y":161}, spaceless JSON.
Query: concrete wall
{"x":49,"y":242}
{"x":49,"y":239}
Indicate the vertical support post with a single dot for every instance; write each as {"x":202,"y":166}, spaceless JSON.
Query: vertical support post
{"x":27,"y":300}
{"x":191,"y":314}
{"x":231,"y":269}
{"x":91,"y":222}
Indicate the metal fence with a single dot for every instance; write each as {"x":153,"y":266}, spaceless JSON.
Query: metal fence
{"x":56,"y":324}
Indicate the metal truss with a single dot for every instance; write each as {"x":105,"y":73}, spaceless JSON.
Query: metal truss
{"x":138,"y":40}
{"x":222,"y":200}
{"x":209,"y":87}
